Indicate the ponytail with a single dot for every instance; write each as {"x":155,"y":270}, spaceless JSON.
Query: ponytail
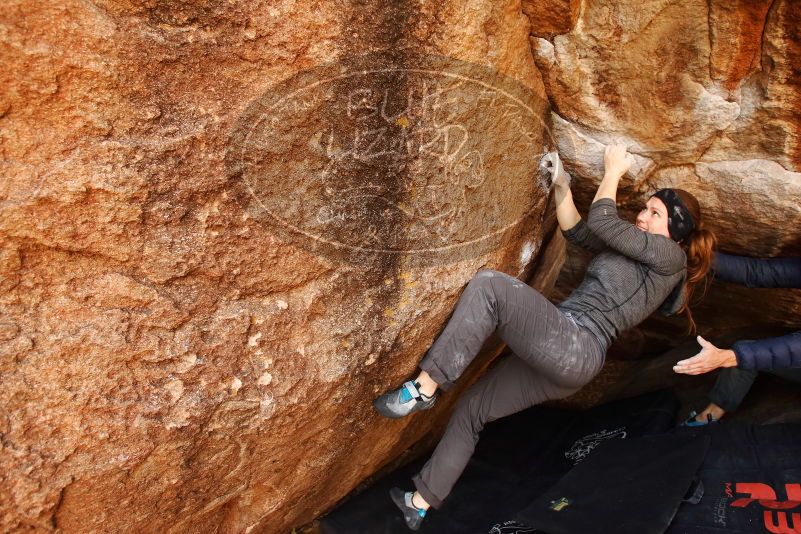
{"x":699,"y":247}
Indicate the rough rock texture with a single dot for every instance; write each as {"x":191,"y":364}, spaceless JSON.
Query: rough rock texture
{"x":550,"y":18}
{"x":183,"y":349}
{"x":707,"y":95}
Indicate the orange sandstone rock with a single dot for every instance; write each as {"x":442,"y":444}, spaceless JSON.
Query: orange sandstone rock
{"x":225,"y":228}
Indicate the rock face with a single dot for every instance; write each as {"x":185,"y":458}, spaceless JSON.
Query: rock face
{"x":707,"y":95}
{"x":226,"y":226}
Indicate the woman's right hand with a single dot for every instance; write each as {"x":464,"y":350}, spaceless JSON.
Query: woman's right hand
{"x":560,"y":179}
{"x":617,"y":160}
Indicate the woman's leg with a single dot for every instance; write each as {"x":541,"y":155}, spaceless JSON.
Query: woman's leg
{"x":509,"y":387}
{"x":530,"y":324}
{"x":536,"y":331}
{"x":553,"y":358}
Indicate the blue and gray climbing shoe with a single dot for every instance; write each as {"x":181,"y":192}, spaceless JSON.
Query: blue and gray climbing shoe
{"x":411,"y":514}
{"x":403,"y":401}
{"x":691,"y":421}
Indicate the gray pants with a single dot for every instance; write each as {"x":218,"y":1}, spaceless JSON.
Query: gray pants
{"x":553,"y":358}
{"x":733,"y":384}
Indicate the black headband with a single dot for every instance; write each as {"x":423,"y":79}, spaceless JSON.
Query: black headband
{"x":680,"y":222}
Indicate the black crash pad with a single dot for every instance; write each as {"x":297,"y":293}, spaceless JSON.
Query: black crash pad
{"x":752,"y":481}
{"x":631,"y":486}
{"x":749,"y":480}
{"x":517,"y":459}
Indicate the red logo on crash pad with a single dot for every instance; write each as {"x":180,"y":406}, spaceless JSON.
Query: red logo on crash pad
{"x":775,"y":517}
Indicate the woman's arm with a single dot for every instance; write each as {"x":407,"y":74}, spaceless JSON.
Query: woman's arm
{"x":566,"y":213}
{"x":573,"y":228}
{"x":754,"y":272}
{"x":659,"y":252}
{"x":616,"y":162}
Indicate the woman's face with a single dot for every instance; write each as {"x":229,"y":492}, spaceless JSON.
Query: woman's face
{"x":654,"y":218}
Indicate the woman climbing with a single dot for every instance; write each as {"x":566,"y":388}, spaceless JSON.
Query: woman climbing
{"x":557,"y":349}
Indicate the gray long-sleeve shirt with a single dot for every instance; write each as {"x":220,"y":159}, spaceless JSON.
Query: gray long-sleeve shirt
{"x":632,"y":274}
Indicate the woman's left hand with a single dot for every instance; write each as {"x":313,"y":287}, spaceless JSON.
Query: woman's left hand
{"x":617,"y":160}
{"x":709,"y":359}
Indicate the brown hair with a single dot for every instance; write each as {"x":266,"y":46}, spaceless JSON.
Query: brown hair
{"x":699,"y":247}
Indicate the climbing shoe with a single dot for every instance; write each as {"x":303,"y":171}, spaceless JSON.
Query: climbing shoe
{"x":411,"y":514}
{"x":403,"y":401}
{"x":690,"y":421}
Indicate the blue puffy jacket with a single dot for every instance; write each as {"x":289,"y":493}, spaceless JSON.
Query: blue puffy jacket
{"x":775,"y":352}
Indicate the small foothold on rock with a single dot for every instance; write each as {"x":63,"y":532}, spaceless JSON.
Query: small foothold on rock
{"x":236,"y":384}
{"x":265,"y":379}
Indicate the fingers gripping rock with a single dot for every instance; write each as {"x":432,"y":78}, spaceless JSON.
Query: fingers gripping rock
{"x":551,"y":166}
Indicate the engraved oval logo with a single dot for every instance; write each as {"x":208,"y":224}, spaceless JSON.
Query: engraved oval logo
{"x":427,"y":157}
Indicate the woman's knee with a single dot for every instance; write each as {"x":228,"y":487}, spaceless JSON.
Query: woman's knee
{"x":482,"y":284}
{"x":489,"y":281}
{"x":484,"y":277}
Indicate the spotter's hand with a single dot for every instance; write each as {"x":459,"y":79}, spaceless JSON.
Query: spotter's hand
{"x":709,"y":359}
